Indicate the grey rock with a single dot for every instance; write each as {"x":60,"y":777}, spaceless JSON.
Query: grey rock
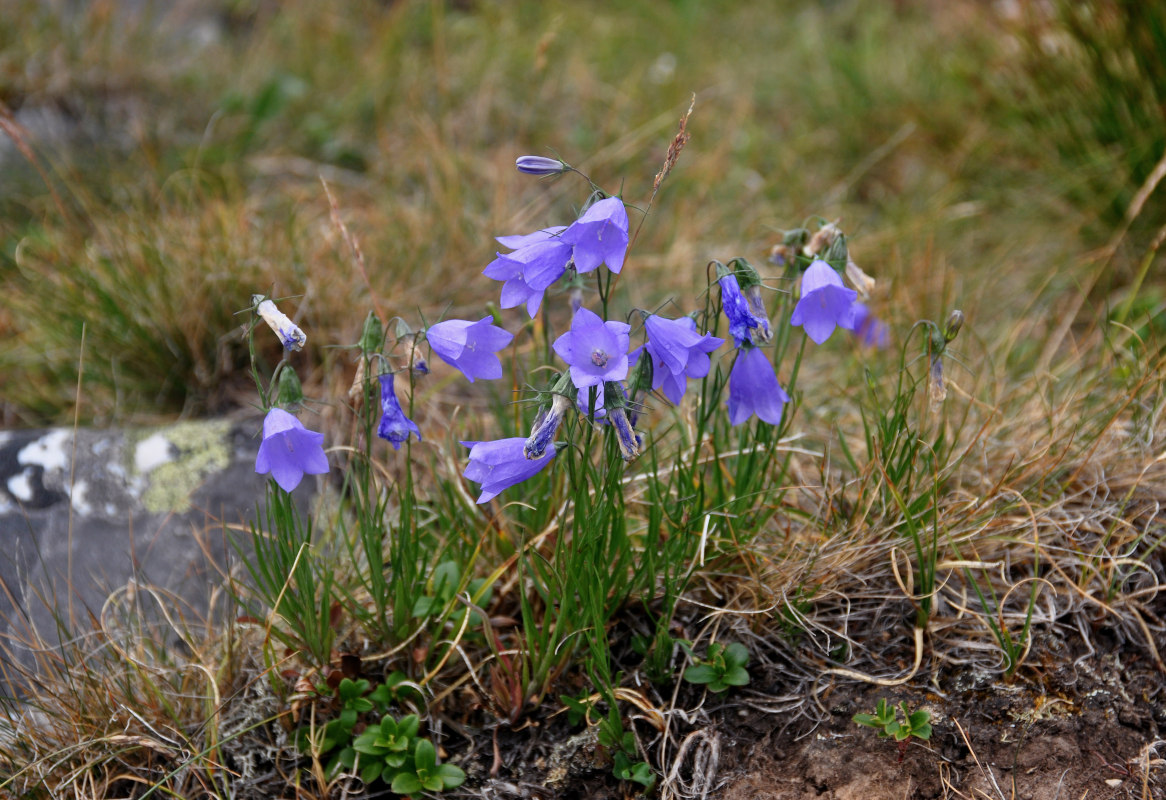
{"x":133,"y":513}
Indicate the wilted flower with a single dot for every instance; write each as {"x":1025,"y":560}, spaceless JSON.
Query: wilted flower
{"x":539,"y":165}
{"x":678,"y":353}
{"x":741,"y":319}
{"x":395,"y":427}
{"x":869,"y":329}
{"x":470,"y":346}
{"x":757,"y":308}
{"x":825,"y":303}
{"x":753,"y":389}
{"x":289,"y":450}
{"x":600,"y":236}
{"x":545,"y":427}
{"x":596,"y":351}
{"x":500,"y":464}
{"x":822,"y":239}
{"x":629,"y":443}
{"x":290,"y":335}
{"x":863,"y":283}
{"x":937,"y":390}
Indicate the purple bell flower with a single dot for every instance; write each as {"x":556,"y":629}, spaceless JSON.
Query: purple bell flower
{"x":500,"y":464}
{"x":678,"y":353}
{"x":539,"y":165}
{"x":470,"y":346}
{"x":539,"y":259}
{"x":289,"y":450}
{"x":825,"y":303}
{"x":395,"y":427}
{"x":596,"y":351}
{"x":600,"y":236}
{"x":753,"y":389}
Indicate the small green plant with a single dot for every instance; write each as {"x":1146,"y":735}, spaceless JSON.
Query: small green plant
{"x":421,"y":772}
{"x":384,"y":748}
{"x":886,"y":721}
{"x":621,"y":744}
{"x":722,"y":667}
{"x":335,"y":737}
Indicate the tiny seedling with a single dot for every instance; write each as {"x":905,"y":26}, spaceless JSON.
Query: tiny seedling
{"x":886,"y":721}
{"x":721,"y":668}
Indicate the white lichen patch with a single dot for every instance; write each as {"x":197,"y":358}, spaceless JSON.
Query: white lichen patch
{"x":50,"y":451}
{"x":77,"y":496}
{"x":199,"y":449}
{"x":20,"y":486}
{"x":151,"y":453}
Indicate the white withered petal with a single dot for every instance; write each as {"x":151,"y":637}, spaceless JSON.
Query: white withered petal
{"x":288,"y":332}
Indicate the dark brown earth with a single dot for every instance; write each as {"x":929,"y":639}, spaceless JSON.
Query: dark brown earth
{"x":1071,"y":726}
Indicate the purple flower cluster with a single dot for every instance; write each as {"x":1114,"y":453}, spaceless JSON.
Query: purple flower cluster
{"x":599,"y":236}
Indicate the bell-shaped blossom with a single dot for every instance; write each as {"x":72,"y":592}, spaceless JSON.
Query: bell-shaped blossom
{"x":678,"y":353}
{"x":539,"y":259}
{"x":869,"y":329}
{"x":500,"y":464}
{"x":744,"y":326}
{"x":753,"y":389}
{"x":600,"y":236}
{"x":395,"y":427}
{"x":539,"y":165}
{"x":596,"y":351}
{"x":825,"y":303}
{"x":289,"y":450}
{"x":470,"y":346}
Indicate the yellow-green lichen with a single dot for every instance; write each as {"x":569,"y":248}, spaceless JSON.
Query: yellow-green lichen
{"x":203,"y":449}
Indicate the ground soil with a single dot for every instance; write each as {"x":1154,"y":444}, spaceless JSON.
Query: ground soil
{"x":1071,"y":726}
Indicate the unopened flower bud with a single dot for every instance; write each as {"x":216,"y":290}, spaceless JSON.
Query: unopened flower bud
{"x":539,"y":165}
{"x":291,"y":393}
{"x":955,"y":321}
{"x":373,"y":335}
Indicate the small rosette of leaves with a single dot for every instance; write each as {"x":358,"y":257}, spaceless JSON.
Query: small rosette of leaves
{"x":385,"y":748}
{"x":423,"y":773}
{"x":886,"y":721}
{"x":722,"y":667}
